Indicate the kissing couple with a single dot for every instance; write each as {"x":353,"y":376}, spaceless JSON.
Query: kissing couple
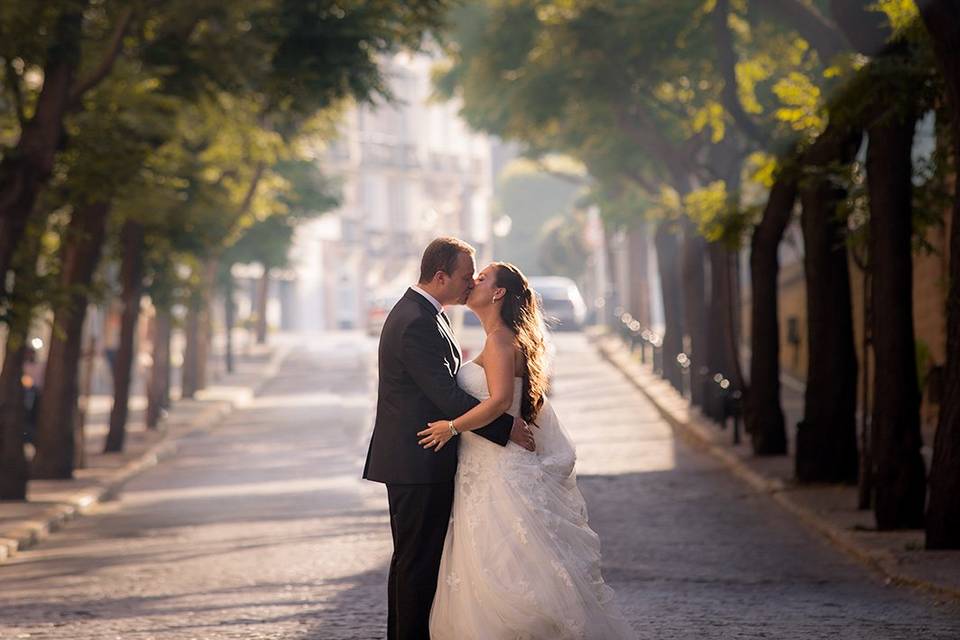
{"x":490,"y":532}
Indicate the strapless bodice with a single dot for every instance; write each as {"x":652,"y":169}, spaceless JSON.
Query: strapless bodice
{"x":473,"y":379}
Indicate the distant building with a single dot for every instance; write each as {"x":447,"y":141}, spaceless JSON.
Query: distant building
{"x":409,"y":171}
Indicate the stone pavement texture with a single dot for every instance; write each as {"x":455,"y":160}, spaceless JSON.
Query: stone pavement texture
{"x":261,"y":528}
{"x":829,"y":509}
{"x":51,"y":503}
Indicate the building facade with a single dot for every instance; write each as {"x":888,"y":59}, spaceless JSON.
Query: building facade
{"x":409,"y":170}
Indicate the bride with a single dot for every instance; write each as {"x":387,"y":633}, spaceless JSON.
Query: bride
{"x":519,"y":560}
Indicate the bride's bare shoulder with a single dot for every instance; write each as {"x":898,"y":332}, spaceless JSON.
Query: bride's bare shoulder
{"x":501,"y":340}
{"x":505,"y":343}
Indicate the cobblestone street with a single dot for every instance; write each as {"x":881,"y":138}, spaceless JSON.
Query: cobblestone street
{"x":263,"y":529}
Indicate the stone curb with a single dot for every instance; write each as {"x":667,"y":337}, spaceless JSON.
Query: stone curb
{"x":28,"y":533}
{"x":695,"y":431}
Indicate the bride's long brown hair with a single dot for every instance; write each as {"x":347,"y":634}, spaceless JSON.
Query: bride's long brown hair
{"x":521,"y":313}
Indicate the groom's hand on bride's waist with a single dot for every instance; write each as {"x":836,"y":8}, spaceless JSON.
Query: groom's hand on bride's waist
{"x":522,"y":434}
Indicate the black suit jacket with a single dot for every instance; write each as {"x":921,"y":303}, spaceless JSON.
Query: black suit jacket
{"x":419,"y":359}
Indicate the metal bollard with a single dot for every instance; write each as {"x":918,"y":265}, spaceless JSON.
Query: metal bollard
{"x":623,"y":322}
{"x":634,"y":335}
{"x":616,"y":320}
{"x":734,"y":408}
{"x":713,"y":403}
{"x":721,"y":393}
{"x":657,"y":345}
{"x":702,"y":378}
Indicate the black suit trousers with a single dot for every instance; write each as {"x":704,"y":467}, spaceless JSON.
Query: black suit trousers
{"x":419,"y":514}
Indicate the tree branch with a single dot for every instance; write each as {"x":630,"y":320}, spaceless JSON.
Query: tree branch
{"x":809,"y":23}
{"x":725,"y":160}
{"x":106,"y":64}
{"x":865,"y":28}
{"x":569,"y":178}
{"x":643,"y":181}
{"x":638,"y":127}
{"x":727,"y":62}
{"x":251,"y":190}
{"x":13,"y":81}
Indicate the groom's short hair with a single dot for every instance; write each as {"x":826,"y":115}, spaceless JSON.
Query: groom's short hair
{"x":441,"y":255}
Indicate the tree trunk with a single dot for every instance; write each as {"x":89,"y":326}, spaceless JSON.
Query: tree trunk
{"x":196,"y":349}
{"x":865,"y":475}
{"x":695,"y":309}
{"x":735,"y":339}
{"x":230,"y":312}
{"x":79,"y":258}
{"x":763,"y":413}
{"x":638,"y":255}
{"x":131,"y":276}
{"x":612,"y":297}
{"x":14,"y":470}
{"x":27,"y":167}
{"x":827,"y":436}
{"x":720,"y":330}
{"x":721,"y":355}
{"x":263,"y":295}
{"x":159,"y":385}
{"x":205,"y":332}
{"x":942,"y":18}
{"x":189,"y":384}
{"x":668,"y":264}
{"x":899,"y":477}
{"x":87,"y":357}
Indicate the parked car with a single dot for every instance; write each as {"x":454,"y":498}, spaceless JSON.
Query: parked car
{"x":561,"y":302}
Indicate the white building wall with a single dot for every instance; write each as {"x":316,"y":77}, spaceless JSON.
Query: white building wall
{"x":409,"y":171}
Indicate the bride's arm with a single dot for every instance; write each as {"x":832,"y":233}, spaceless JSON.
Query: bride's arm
{"x":498,"y":365}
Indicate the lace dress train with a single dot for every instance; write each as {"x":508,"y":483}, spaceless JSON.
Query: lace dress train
{"x":519,"y":560}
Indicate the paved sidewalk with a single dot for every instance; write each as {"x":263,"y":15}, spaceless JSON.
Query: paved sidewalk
{"x":828,"y":509}
{"x":50,"y":503}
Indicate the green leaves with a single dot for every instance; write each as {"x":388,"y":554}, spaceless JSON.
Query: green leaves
{"x":639,"y":92}
{"x":802,"y":101}
{"x":718,"y":214}
{"x":199,"y":118}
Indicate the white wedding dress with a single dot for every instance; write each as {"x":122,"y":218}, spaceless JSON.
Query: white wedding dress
{"x":519,"y":560}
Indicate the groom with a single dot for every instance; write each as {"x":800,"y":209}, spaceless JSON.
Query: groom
{"x":419,"y":358}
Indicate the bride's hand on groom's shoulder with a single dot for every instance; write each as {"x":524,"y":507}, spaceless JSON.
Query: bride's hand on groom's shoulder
{"x":522,"y":434}
{"x":435,"y":435}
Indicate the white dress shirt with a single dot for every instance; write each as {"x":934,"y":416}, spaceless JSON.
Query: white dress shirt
{"x":433,"y":301}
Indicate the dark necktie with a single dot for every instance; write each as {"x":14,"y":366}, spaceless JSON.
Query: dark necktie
{"x":445,"y":318}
